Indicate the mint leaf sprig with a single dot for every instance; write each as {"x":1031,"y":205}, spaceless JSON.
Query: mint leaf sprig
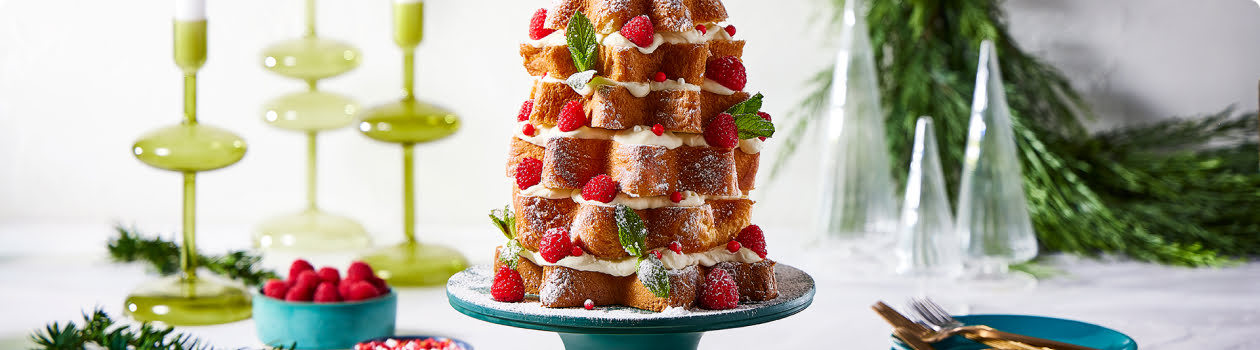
{"x":583,"y":45}
{"x":631,"y":231}
{"x":505,"y":220}
{"x":633,"y":236}
{"x":747,"y":123}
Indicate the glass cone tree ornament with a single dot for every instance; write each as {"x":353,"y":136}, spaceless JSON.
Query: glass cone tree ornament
{"x":993,"y":215}
{"x":858,"y":199}
{"x":408,"y":122}
{"x":310,"y":59}
{"x":927,"y":246}
{"x":188,"y":148}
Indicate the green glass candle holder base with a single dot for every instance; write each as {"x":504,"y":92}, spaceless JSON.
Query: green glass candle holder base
{"x":178,"y":301}
{"x":310,"y":58}
{"x":408,"y":121}
{"x":416,"y":265}
{"x":311,"y":231}
{"x":310,"y":111}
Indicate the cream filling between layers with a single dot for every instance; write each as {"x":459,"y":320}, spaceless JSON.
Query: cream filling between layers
{"x":639,"y":90}
{"x":615,"y":39}
{"x":690,"y":199}
{"x":629,"y":266}
{"x":637,"y":135}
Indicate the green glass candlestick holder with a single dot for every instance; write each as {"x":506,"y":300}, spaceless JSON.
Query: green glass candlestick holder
{"x":189,"y":148}
{"x":311,"y":58}
{"x":408,"y":122}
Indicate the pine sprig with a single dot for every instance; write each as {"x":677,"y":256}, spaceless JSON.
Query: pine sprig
{"x":1175,"y":192}
{"x":99,"y":329}
{"x":163,"y":256}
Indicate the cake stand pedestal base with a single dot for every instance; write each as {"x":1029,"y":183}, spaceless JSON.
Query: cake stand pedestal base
{"x":622,"y":328}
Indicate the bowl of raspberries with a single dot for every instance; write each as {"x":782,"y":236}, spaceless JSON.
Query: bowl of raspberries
{"x":319,"y":309}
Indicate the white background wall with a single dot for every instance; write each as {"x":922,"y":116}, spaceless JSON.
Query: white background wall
{"x":81,"y":79}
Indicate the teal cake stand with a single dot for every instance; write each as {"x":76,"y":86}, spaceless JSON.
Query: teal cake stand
{"x":622,"y":328}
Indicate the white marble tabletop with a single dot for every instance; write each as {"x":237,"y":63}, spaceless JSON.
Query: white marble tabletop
{"x":1161,"y":307}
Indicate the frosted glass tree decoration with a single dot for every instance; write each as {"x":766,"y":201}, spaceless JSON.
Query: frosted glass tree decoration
{"x":992,"y":211}
{"x":926,"y":243}
{"x":858,"y":201}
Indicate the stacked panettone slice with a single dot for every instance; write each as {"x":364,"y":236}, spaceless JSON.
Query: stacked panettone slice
{"x":632,"y":162}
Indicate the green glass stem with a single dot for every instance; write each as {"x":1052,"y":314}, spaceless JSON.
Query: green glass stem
{"x":190,"y":98}
{"x":188,"y":253}
{"x":310,"y":18}
{"x":409,"y":73}
{"x":409,"y":192}
{"x":310,"y":171}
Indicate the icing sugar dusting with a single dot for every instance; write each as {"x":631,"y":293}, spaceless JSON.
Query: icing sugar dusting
{"x":472,"y":286}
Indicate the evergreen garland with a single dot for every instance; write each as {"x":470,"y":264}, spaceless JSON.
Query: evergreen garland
{"x":102,"y":331}
{"x":163,"y":256}
{"x":1178,"y":192}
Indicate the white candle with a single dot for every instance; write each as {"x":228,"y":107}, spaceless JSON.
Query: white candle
{"x":190,"y":10}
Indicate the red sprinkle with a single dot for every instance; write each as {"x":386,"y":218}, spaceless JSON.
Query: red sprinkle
{"x":576,"y":251}
{"x":702,"y":29}
{"x":658,"y":129}
{"x":730,"y":30}
{"x":656,"y":253}
{"x":589,"y":304}
{"x":528,"y":130}
{"x":676,"y":197}
{"x":733,"y":247}
{"x":660,"y":77}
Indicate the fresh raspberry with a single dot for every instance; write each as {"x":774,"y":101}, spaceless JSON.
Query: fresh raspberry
{"x":508,"y":285}
{"x":576,"y":251}
{"x":727,"y":71}
{"x":572,"y":116}
{"x":656,"y":254}
{"x":526,"y":109}
{"x":528,"y":130}
{"x":589,"y":304}
{"x":329,"y":274}
{"x":361,"y":290}
{"x":676,"y":247}
{"x":702,"y":28}
{"x":719,"y":291}
{"x":601,"y":188}
{"x":639,"y":31}
{"x":299,"y":293}
{"x":753,"y":238}
{"x":343,"y":288}
{"x":765,"y":116}
{"x":555,"y":245}
{"x":528,"y":173}
{"x":308,"y":279}
{"x":658,"y":129}
{"x":379,"y":283}
{"x":276,"y":288}
{"x":327,"y":293}
{"x":676,"y":197}
{"x":536,"y":30}
{"x":721,"y":132}
{"x":359,"y":271}
{"x":730,"y":30}
{"x":296,"y":269}
{"x":660,"y":77}
{"x":733,"y":246}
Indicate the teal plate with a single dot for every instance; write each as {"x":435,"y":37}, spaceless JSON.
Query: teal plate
{"x":1068,"y":331}
{"x":621,"y":328}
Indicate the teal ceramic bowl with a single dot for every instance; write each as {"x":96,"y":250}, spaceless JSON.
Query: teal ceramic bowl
{"x":1069,"y":331}
{"x":323,"y":325}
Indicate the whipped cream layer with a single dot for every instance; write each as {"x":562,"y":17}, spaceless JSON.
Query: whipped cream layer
{"x":690,"y":199}
{"x":629,"y":266}
{"x":637,"y":135}
{"x":639,"y":90}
